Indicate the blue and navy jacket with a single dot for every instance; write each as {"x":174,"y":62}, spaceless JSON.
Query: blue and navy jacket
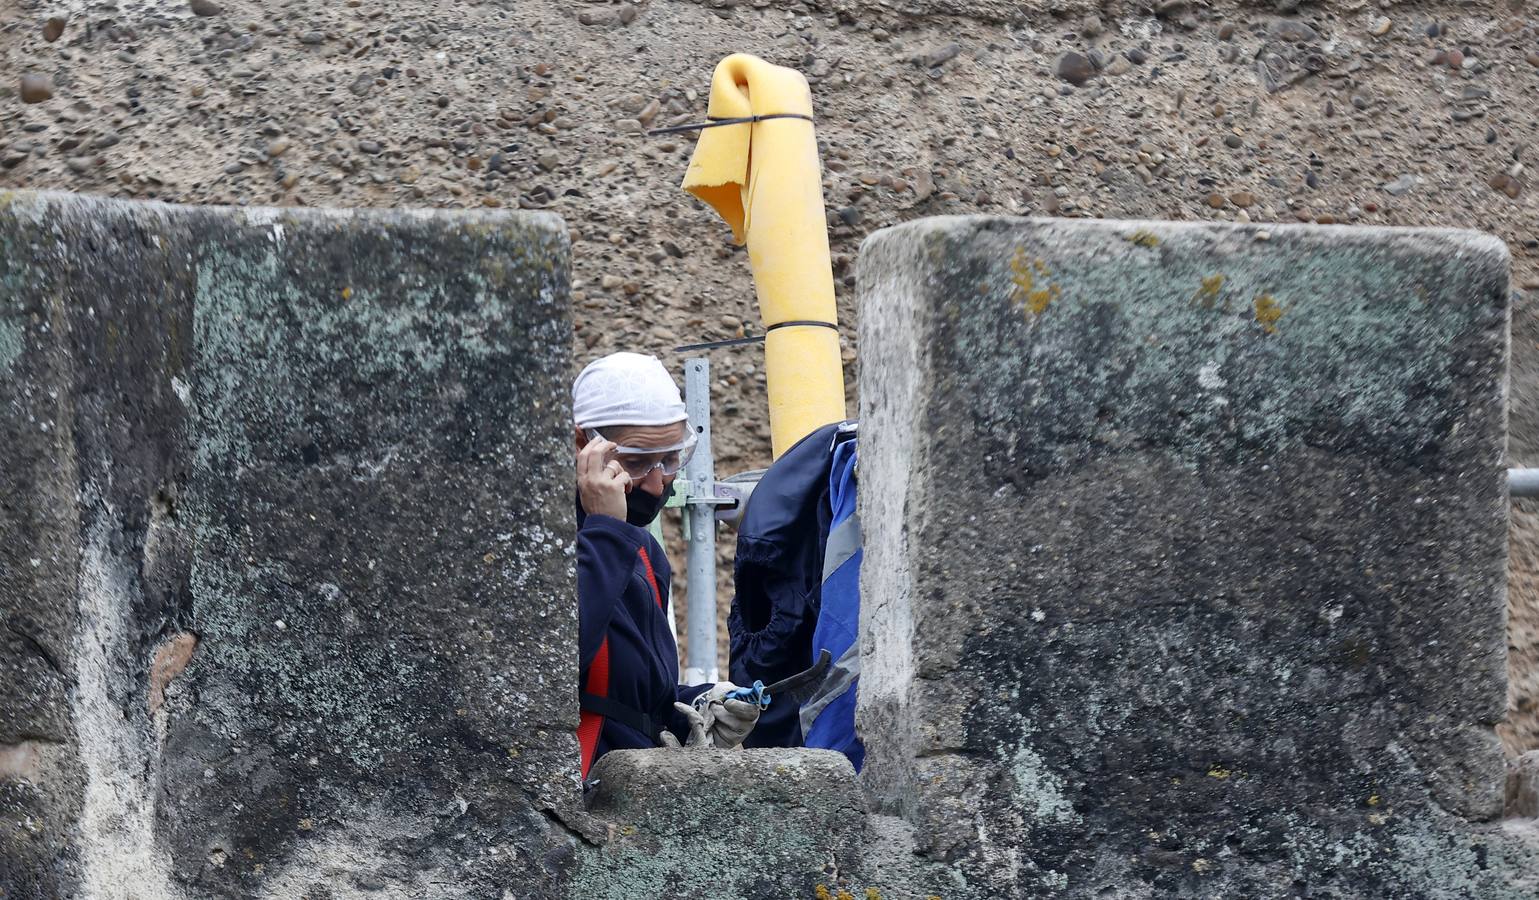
{"x":828,"y":715}
{"x":629,"y":662}
{"x":778,"y":574}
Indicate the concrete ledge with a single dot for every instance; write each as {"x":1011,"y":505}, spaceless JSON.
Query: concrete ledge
{"x":723,"y":824}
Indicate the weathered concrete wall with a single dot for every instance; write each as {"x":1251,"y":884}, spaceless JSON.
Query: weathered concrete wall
{"x":284,"y":612}
{"x":1185,"y":557}
{"x":41,"y":786}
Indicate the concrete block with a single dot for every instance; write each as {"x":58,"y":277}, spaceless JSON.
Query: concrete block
{"x":286,"y":609}
{"x":1185,"y":555}
{"x":727,"y":825}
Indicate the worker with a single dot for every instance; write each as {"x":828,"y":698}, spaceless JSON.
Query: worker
{"x":632,"y":438}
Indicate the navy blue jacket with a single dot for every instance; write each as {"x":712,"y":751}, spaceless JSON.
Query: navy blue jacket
{"x":625,"y":647}
{"x":778,"y":574}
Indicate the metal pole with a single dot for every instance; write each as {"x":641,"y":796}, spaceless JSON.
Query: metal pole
{"x":1523,"y":482}
{"x":700,"y":666}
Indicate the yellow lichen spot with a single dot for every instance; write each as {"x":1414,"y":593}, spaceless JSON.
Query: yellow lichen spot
{"x":1024,"y":274}
{"x":1020,"y":273}
{"x":513,"y":753}
{"x":1201,"y":865}
{"x":489,"y":557}
{"x":347,"y":293}
{"x":1041,"y":299}
{"x":1219,"y":772}
{"x":1268,"y":311}
{"x":627,"y":830}
{"x":873,"y":894}
{"x":1208,"y":292}
{"x":257,"y":869}
{"x":306,"y":824}
{"x":1376,"y":818}
{"x":844,"y":895}
{"x":1143,"y":237}
{"x":1373,"y":800}
{"x":821,"y":893}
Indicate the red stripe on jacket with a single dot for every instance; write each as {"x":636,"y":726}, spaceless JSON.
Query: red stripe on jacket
{"x":590,"y":724}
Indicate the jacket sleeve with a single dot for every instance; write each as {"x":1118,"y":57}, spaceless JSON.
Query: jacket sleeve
{"x":606,"y":557}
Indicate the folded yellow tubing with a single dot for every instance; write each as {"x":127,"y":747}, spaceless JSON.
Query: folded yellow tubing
{"x":765,"y":180}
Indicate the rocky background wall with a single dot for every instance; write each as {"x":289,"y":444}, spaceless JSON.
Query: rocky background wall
{"x":1368,"y":113}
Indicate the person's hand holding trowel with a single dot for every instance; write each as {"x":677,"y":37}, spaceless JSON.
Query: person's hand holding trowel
{"x":726,"y":713}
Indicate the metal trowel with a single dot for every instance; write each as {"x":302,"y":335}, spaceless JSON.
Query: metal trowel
{"x":798,"y":688}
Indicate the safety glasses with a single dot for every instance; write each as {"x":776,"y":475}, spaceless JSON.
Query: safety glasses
{"x":638,"y":462}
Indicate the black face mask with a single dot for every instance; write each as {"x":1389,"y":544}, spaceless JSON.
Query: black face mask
{"x":641,"y":507}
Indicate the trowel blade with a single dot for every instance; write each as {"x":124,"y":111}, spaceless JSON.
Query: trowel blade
{"x":802,"y":685}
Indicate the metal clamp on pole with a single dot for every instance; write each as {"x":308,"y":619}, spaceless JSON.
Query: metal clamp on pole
{"x":732,"y":495}
{"x":728,"y":497}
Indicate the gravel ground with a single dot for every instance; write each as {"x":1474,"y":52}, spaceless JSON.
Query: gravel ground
{"x":1389,"y":114}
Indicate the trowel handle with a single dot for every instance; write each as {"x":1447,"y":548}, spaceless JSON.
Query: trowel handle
{"x":753,"y":694}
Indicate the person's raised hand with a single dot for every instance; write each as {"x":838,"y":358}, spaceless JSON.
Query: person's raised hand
{"x":601,"y":482}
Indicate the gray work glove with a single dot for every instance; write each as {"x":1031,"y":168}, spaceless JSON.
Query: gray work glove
{"x":697,"y":728}
{"x":727,"y":721}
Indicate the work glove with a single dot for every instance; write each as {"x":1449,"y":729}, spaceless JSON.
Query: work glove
{"x":697,"y":728}
{"x":727,"y":722}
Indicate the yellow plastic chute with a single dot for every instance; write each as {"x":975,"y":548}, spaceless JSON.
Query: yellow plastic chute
{"x":765,"y":180}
